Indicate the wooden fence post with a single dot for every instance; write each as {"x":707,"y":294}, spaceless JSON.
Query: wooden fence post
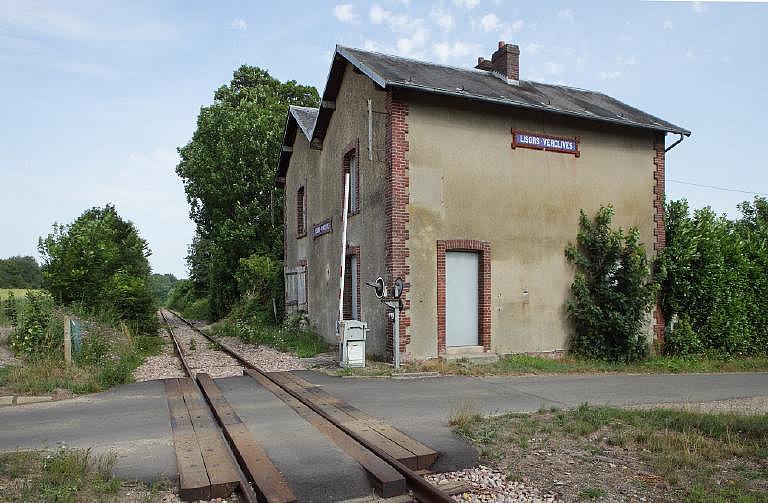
{"x":67,"y":339}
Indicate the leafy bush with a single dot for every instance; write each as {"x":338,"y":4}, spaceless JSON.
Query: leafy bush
{"x":611,"y":292}
{"x":716,"y":279}
{"x":293,"y":336}
{"x":682,"y":340}
{"x":39,"y":329}
{"x":100,"y":262}
{"x":185,"y":299}
{"x":260,"y":280}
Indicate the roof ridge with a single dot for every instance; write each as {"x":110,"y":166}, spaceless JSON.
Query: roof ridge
{"x":414,"y":60}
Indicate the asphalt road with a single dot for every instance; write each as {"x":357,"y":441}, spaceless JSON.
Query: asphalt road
{"x":132,"y":420}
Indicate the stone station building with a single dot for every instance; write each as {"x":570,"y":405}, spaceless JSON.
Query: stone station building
{"x":466,"y":183}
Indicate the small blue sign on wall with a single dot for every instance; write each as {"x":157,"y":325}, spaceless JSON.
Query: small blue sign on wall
{"x":539,"y":141}
{"x":324,"y":227}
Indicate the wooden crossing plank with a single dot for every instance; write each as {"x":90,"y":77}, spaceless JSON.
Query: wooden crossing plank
{"x":194,"y":483}
{"x":269,"y":482}
{"x":387,"y":481}
{"x":402,"y":447}
{"x":220,"y":466}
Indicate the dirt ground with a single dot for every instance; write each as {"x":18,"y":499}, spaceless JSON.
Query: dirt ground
{"x":618,"y":461}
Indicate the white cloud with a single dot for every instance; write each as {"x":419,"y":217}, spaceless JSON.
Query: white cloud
{"x":345,"y":13}
{"x":511,"y":29}
{"x":447,"y":51}
{"x":566,"y":15}
{"x":371,"y":45}
{"x":532,"y":48}
{"x":467,"y":4}
{"x":378,"y":15}
{"x":698,"y":7}
{"x":413,"y":45}
{"x":442,"y":18}
{"x":490,"y":22}
{"x":553,"y":68}
{"x":238,"y":24}
{"x":621,"y":60}
{"x":668,"y":25}
{"x":96,"y":23}
{"x":608,"y":75}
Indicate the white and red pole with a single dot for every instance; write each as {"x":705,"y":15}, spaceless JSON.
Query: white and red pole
{"x":344,"y":216}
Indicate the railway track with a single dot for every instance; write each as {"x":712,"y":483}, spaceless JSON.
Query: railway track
{"x":200,"y":413}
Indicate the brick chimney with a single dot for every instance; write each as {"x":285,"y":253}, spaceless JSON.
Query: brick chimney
{"x":505,"y":62}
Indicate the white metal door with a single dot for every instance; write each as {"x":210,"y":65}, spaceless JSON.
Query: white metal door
{"x":461,"y":298}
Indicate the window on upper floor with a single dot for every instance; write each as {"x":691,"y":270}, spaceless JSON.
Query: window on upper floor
{"x":301,"y":212}
{"x":351,"y":166}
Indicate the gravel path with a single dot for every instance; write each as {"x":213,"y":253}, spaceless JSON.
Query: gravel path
{"x":749,"y":405}
{"x":200,"y":353}
{"x":489,"y":485}
{"x":163,"y":366}
{"x":267,"y":359}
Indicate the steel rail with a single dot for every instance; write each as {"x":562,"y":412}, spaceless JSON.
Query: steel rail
{"x":246,"y":491}
{"x":422,"y":490}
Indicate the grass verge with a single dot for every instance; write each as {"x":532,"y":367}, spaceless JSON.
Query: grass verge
{"x":63,"y":475}
{"x":292,"y":337}
{"x":96,"y":370}
{"x":610,"y":453}
{"x":521,"y":364}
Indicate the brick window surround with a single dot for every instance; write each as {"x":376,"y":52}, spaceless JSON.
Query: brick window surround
{"x":351,"y":151}
{"x":301,"y":212}
{"x":659,"y":233}
{"x":352,"y":251}
{"x":484,"y":285}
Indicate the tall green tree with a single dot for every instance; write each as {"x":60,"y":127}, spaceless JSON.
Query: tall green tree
{"x":228,"y":170}
{"x":100,"y":262}
{"x":20,"y":272}
{"x":715,"y":284}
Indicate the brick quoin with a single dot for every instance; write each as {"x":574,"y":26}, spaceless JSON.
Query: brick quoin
{"x":659,"y":233}
{"x":396,"y":212}
{"x":484,"y":286}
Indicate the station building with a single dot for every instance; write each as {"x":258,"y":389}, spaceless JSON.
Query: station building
{"x":466,"y":183}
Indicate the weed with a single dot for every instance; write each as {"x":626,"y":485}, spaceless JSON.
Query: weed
{"x":463,"y":415}
{"x":192,"y":345}
{"x":62,"y":475}
{"x":590,"y":493}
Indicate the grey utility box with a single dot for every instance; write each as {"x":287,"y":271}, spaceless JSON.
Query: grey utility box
{"x":352,"y":334}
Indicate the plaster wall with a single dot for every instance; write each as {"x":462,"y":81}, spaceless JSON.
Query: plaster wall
{"x":321,"y":171}
{"x":466,"y":182}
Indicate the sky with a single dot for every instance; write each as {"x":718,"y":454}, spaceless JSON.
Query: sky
{"x":96,"y":95}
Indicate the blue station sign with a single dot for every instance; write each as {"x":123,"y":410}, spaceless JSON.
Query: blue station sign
{"x":324,"y":227}
{"x":539,"y":141}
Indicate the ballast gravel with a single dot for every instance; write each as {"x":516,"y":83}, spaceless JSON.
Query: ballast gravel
{"x":267,"y":359}
{"x":490,"y":485}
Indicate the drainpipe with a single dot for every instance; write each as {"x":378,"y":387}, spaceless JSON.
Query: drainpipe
{"x":674,"y":144}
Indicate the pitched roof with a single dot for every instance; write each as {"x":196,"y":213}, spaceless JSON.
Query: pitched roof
{"x":479,"y":85}
{"x":305,"y":118}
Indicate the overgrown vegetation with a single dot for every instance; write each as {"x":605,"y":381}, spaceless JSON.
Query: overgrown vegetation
{"x":108,"y":355}
{"x":715,"y":286}
{"x":20,"y":272}
{"x":611,"y":292}
{"x":663,"y":454}
{"x":99,"y":262}
{"x":161,"y":286}
{"x":293,"y":336}
{"x":228,"y":170}
{"x":185,"y":299}
{"x":62,"y":475}
{"x":523,"y":364}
